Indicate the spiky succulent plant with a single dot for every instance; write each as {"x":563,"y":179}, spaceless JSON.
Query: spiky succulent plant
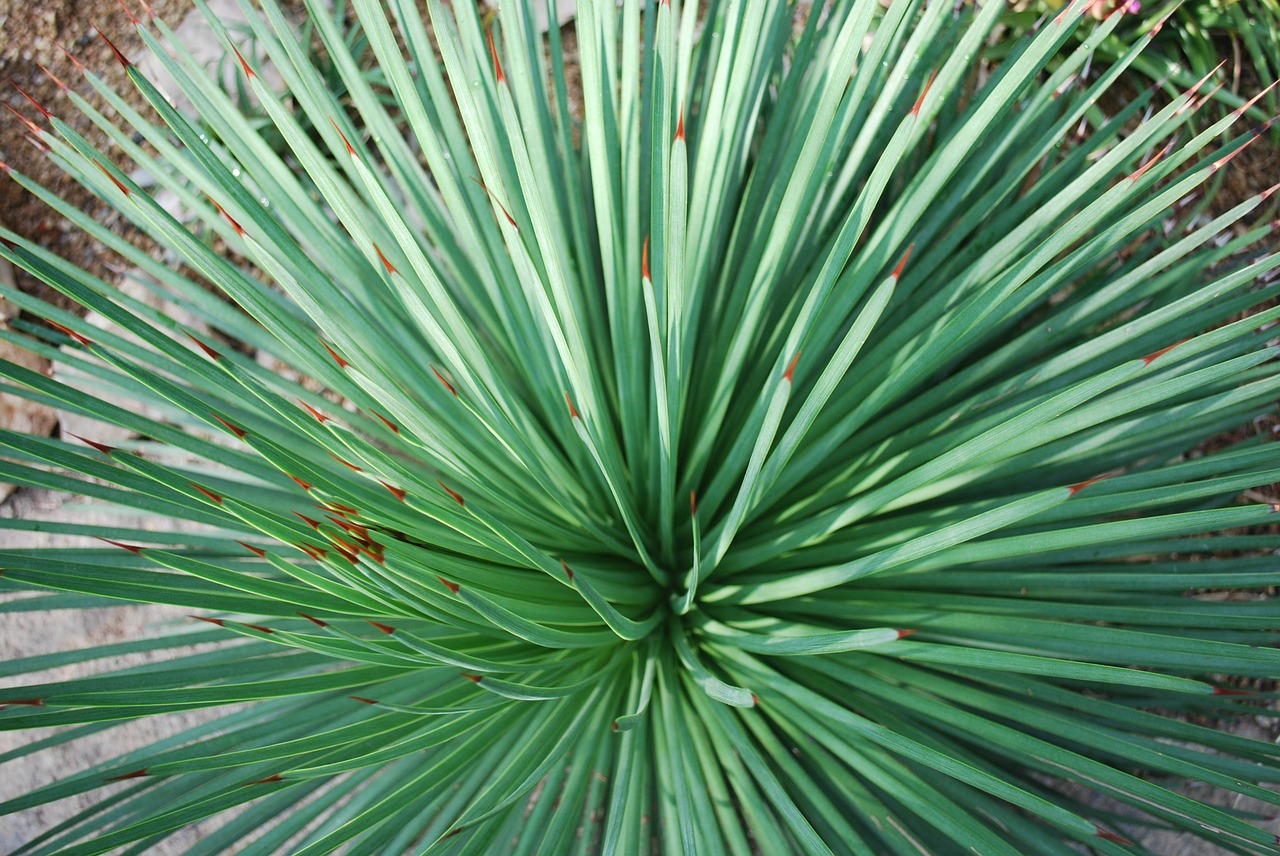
{"x":570,"y":480}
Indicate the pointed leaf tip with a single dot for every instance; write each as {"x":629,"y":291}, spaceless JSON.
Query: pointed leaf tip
{"x":644,"y":260}
{"x":209,"y":352}
{"x":277,"y":777}
{"x":362,"y":699}
{"x":1111,"y":836}
{"x":385,"y":421}
{"x":28,"y":702}
{"x":134,"y":774}
{"x":342,"y":364}
{"x":397,"y":492}
{"x":902,"y":634}
{"x":790,"y":373}
{"x":446,"y":383}
{"x":123,"y":60}
{"x":475,"y":679}
{"x":257,"y":551}
{"x":456,"y":496}
{"x":72,"y":57}
{"x":215,"y":497}
{"x":453,"y":587}
{"x":248,"y":72}
{"x":133,"y":19}
{"x":1155,"y":355}
{"x":497,"y":65}
{"x":1079,"y":486}
{"x":130,"y":547}
{"x":239,"y":432}
{"x":573,"y":411}
{"x":915,"y":110}
{"x":300,"y":483}
{"x":218,"y":621}
{"x":34,"y":102}
{"x":902,"y":263}
{"x":350,"y":149}
{"x":693,"y":503}
{"x":1228,"y":691}
{"x":67,"y":331}
{"x":755,"y":699}
{"x":680,"y":126}
{"x":320,"y":417}
{"x":314,"y":524}
{"x":391,"y":269}
{"x":317,"y":622}
{"x":568,"y":571}
{"x":101,"y":447}
{"x":385,"y":628}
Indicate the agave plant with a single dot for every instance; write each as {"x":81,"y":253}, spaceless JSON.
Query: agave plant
{"x":788,"y":452}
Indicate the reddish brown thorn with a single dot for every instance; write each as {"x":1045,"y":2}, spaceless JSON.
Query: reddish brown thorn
{"x":350,"y":150}
{"x":1111,"y":836}
{"x":397,"y":492}
{"x":316,"y":553}
{"x":1266,"y":194}
{"x":1152,"y":357}
{"x":260,"y":628}
{"x":345,"y":549}
{"x":1079,"y":486}
{"x":217,"y":621}
{"x":693,"y":503}
{"x":234,"y":225}
{"x":915,"y":111}
{"x":454,"y":832}
{"x":34,"y":139}
{"x":613,"y":727}
{"x":84,"y":340}
{"x":239,"y":432}
{"x":209,"y":352}
{"x":101,"y":447}
{"x":790,"y":373}
{"x":446,"y":383}
{"x":385,"y":628}
{"x":320,"y":417}
{"x":274,"y":778}
{"x":453,"y":587}
{"x":644,"y":260}
{"x":248,"y":72}
{"x":31,"y":126}
{"x":132,"y":17}
{"x":37,"y":104}
{"x":1235,"y":114}
{"x":456,"y":496}
{"x":755,"y":699}
{"x":902,"y":264}
{"x":29,"y":702}
{"x":497,"y":66}
{"x":317,"y":622}
{"x":568,"y":571}
{"x":363,"y":699}
{"x":130,"y":547}
{"x":336,"y":358}
{"x":314,"y":524}
{"x":1142,"y":170}
{"x":300,"y":483}
{"x":505,"y":212}
{"x":136,"y":774}
{"x":376,"y":552}
{"x":115,"y":50}
{"x":1230,"y":692}
{"x":215,"y":497}
{"x":573,"y":411}
{"x":257,"y":551}
{"x":386,"y":421}
{"x":346,"y":464}
{"x":475,"y":679}
{"x":337,"y":507}
{"x":902,"y":634}
{"x":680,"y":126}
{"x":391,"y":269}
{"x":70,"y":56}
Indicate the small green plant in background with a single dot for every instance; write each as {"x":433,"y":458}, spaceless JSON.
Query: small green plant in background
{"x":786,"y":457}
